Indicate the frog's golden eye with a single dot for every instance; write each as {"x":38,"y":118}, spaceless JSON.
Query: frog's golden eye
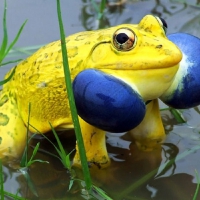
{"x":124,"y":39}
{"x":163,"y":23}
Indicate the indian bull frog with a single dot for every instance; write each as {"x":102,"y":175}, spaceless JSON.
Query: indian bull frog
{"x":139,"y":57}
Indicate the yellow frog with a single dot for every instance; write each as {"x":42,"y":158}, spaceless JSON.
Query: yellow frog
{"x":139,"y":55}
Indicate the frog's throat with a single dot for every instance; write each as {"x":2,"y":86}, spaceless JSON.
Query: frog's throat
{"x":12,"y":129}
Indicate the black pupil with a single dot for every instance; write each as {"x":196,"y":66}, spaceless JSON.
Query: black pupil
{"x":122,"y":38}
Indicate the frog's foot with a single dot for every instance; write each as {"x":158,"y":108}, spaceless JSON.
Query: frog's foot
{"x":184,"y":91}
{"x":12,"y":129}
{"x":150,"y":132}
{"x":95,"y":146}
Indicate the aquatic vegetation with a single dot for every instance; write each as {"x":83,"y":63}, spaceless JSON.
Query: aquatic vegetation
{"x":5,"y":49}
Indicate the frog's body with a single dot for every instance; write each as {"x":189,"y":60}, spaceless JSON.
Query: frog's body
{"x":149,"y":68}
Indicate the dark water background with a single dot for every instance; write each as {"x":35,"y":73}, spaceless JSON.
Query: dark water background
{"x":177,"y":182}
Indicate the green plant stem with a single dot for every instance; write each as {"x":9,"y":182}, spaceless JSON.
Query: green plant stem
{"x":175,"y":113}
{"x":198,"y":184}
{"x":1,"y":182}
{"x":15,"y":197}
{"x":79,"y":138}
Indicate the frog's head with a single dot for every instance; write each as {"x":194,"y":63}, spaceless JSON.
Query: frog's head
{"x":141,"y":55}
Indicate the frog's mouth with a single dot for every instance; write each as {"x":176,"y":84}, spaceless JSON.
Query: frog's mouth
{"x":150,"y":84}
{"x":141,"y":63}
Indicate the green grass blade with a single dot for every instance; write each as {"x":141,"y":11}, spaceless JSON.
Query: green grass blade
{"x":95,"y":6}
{"x":61,"y":150}
{"x":58,"y":141}
{"x":8,"y":79}
{"x":67,"y":159}
{"x":198,"y":184}
{"x":71,"y":182}
{"x":58,"y":151}
{"x":79,"y":138}
{"x":1,"y":181}
{"x":24,"y":159}
{"x":101,"y":193}
{"x":16,"y":52}
{"x":3,"y":49}
{"x":16,"y":38}
{"x":49,"y":153}
{"x":102,"y":8}
{"x":37,"y":160}
{"x":62,"y":153}
{"x":5,"y":34}
{"x":10,"y":62}
{"x":14,"y":196}
{"x":35,"y":150}
{"x":177,"y":115}
{"x":29,"y":181}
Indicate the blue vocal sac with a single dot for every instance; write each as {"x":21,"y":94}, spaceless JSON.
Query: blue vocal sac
{"x":185,"y":90}
{"x":107,"y":102}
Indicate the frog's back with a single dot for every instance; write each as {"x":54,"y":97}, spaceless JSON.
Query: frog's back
{"x":39,"y":80}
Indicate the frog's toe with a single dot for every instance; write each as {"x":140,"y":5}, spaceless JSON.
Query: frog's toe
{"x":107,"y":102}
{"x":185,"y":89}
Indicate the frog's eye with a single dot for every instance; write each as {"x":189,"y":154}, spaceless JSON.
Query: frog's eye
{"x":124,"y":39}
{"x":163,"y":23}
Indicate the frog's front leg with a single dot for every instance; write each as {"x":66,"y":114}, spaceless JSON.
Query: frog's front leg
{"x":150,"y":132}
{"x":95,"y":146}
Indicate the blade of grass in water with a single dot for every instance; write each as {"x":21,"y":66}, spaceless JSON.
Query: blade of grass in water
{"x":15,"y":197}
{"x":4,"y":193}
{"x":1,"y":182}
{"x":79,"y":138}
{"x":24,"y":159}
{"x":197,"y":188}
{"x":31,"y":185}
{"x":62,"y":153}
{"x":176,"y":113}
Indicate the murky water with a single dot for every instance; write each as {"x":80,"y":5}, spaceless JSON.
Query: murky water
{"x":129,"y":165}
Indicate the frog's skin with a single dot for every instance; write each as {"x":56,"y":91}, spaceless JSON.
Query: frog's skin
{"x":147,"y":63}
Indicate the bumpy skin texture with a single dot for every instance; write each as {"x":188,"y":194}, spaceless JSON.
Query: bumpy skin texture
{"x":149,"y":68}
